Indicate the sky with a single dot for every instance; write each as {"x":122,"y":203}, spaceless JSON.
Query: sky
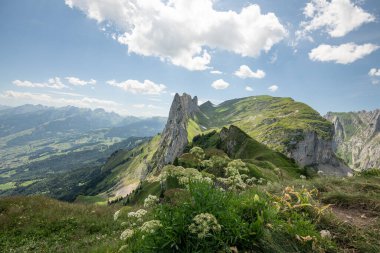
{"x":132,"y":56}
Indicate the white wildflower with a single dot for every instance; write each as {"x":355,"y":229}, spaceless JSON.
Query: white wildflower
{"x":122,"y":248}
{"x":137,"y":215}
{"x":183,"y":175}
{"x":261,"y":181}
{"x":128,"y":233}
{"x":116,"y":215}
{"x":251,"y":181}
{"x":150,"y":226}
{"x":325,"y":234}
{"x":150,"y":201}
{"x":204,"y":224}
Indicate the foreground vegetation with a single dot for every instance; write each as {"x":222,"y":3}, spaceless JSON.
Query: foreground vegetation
{"x":203,"y":216}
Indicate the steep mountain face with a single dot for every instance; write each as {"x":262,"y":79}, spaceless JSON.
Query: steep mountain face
{"x":282,"y":124}
{"x":174,"y":138}
{"x":357,"y":138}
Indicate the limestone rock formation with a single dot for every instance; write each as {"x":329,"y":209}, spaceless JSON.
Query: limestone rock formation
{"x":318,"y":152}
{"x":357,"y":138}
{"x":174,"y":137}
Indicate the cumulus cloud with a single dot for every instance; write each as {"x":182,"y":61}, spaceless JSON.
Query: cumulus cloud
{"x":220,"y":84}
{"x":134,"y":86}
{"x":374,"y":72}
{"x":343,"y":54}
{"x":78,"y":82}
{"x":216,"y":72}
{"x":245,"y":72}
{"x":180,"y":31}
{"x":273,"y":88}
{"x":248,"y":88}
{"x":54,"y":83}
{"x":13,"y":97}
{"x":336,"y":17}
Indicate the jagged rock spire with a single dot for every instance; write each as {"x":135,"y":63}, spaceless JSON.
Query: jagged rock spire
{"x":174,"y":137}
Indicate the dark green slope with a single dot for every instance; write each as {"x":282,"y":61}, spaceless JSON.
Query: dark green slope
{"x":238,"y":145}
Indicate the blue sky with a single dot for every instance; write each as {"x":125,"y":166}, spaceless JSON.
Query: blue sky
{"x":131,"y":56}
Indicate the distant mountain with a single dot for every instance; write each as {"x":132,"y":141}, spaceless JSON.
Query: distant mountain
{"x":357,"y":138}
{"x":2,"y":107}
{"x":37,"y":140}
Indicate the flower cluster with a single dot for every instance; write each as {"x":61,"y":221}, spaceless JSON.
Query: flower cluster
{"x":128,"y":233}
{"x":183,"y":175}
{"x":116,"y":215}
{"x":204,"y":224}
{"x":198,"y":153}
{"x":251,"y":181}
{"x":235,"y":180}
{"x":138,"y":215}
{"x":150,"y":226}
{"x":150,"y":201}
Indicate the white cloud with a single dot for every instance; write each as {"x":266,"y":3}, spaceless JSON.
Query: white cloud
{"x":18,"y":98}
{"x":220,"y":84}
{"x":54,"y":83}
{"x":78,"y":82}
{"x":70,"y":94}
{"x":245,"y":72}
{"x":134,"y":86}
{"x":273,"y":88}
{"x":336,"y":17}
{"x":343,"y":54}
{"x":140,"y":106}
{"x":216,"y":72}
{"x":374,"y":72}
{"x":179,"y":31}
{"x":248,"y":88}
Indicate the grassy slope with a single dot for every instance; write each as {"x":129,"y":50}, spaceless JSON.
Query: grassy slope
{"x":270,"y":120}
{"x":41,"y":224}
{"x":126,"y":168}
{"x":354,"y":219}
{"x":261,"y":159}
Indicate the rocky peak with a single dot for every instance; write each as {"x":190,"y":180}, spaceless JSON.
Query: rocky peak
{"x":174,"y":137}
{"x":360,"y":144}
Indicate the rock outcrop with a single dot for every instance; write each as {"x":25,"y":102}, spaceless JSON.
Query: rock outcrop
{"x":317,"y":152}
{"x":174,"y":137}
{"x":357,"y":138}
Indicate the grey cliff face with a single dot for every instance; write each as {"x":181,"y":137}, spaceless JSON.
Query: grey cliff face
{"x":174,"y":137}
{"x":357,"y":138}
{"x":317,"y":152}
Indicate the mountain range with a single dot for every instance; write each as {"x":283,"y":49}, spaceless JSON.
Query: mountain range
{"x":38,"y":142}
{"x":257,"y":174}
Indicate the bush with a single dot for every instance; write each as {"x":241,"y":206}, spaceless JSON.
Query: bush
{"x":224,"y":220}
